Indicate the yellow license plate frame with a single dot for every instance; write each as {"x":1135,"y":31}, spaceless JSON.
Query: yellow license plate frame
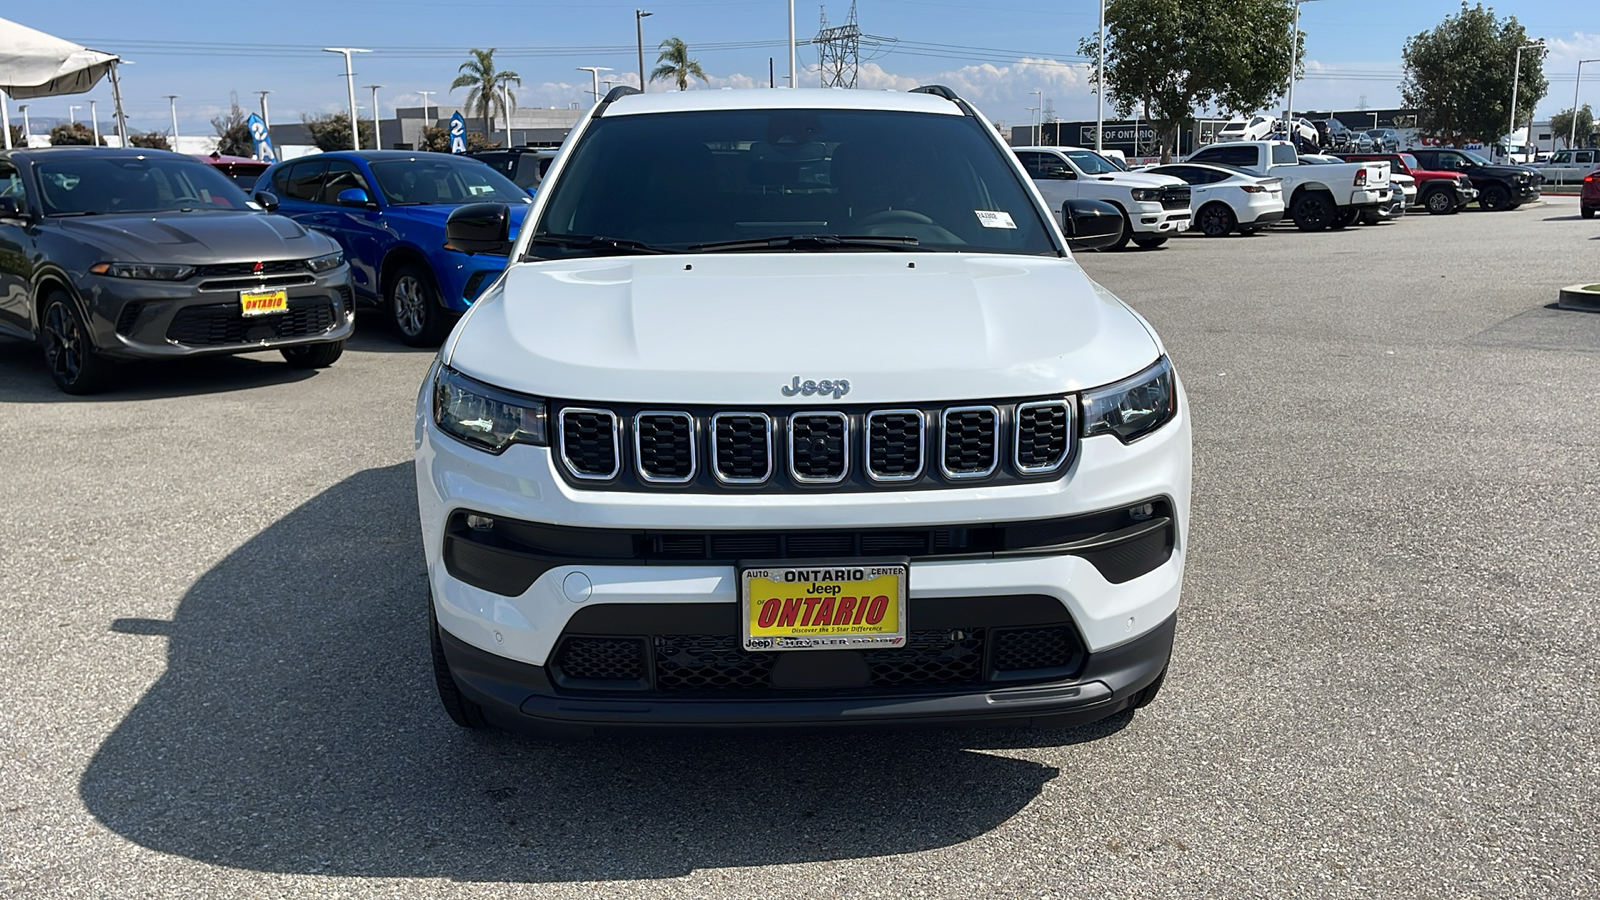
{"x":823,"y":605}
{"x":263,"y":303}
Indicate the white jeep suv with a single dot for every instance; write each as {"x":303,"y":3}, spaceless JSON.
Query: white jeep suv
{"x":792,"y":408}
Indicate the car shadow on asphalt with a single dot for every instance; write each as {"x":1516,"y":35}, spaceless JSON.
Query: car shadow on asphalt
{"x":296,"y":729}
{"x":376,"y":334}
{"x":23,"y":378}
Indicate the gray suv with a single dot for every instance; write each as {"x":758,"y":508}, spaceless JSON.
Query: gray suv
{"x":110,"y":254}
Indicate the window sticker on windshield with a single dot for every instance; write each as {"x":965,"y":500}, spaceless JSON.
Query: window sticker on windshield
{"x":992,"y":219}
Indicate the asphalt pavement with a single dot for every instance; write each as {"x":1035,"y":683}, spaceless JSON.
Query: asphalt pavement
{"x":212,"y":603}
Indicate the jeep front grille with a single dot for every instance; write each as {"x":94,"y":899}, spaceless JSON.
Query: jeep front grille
{"x":851,"y":449}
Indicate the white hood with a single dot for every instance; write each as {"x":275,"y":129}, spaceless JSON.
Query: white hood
{"x":736,"y":328}
{"x":1139,"y":179}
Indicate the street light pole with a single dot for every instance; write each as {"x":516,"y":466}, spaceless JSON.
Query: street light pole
{"x":116,"y":97}
{"x":1100,"y":89}
{"x":1572,"y":141}
{"x":377,"y":122}
{"x":72,"y":113}
{"x":425,"y":95}
{"x":264,"y":120}
{"x":1291,"y":129}
{"x":1032,"y":127}
{"x":594,"y":72}
{"x":1516,"y":80}
{"x":94,"y":121}
{"x":27,"y":127}
{"x":505,"y":104}
{"x":172,"y":106}
{"x":793,"y":64}
{"x":638,"y":29}
{"x":350,"y":82}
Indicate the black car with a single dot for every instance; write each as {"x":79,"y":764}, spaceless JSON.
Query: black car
{"x":110,"y":254}
{"x":1499,"y":187}
{"x":1333,"y":134}
{"x":523,"y":165}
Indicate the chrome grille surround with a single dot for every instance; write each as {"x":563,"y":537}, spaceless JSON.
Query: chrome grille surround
{"x":944,"y":444}
{"x":638,"y":446}
{"x":616,"y":443}
{"x":716,"y":431}
{"x":844,"y":449}
{"x":922,"y":445}
{"x":1067,"y":437}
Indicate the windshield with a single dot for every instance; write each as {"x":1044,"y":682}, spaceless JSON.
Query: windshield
{"x":437,"y":178}
{"x":84,"y":185}
{"x":1410,"y":161}
{"x":1092,"y":163}
{"x":675,"y":181}
{"x":1475,"y":158}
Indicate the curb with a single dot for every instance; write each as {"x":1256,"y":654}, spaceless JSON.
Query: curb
{"x":1576,"y":298}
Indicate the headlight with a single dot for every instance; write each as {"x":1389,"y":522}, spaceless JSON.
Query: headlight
{"x":144,"y":271}
{"x":1134,"y":407}
{"x":1146,"y":195}
{"x":320,"y":264}
{"x":485,"y":417}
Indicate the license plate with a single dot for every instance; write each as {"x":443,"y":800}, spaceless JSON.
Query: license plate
{"x":263,"y":303}
{"x":823,"y":606}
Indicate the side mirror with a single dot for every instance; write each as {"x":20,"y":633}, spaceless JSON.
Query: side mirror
{"x":10,"y":209}
{"x":480,"y":228}
{"x":1090,"y":224}
{"x":1060,"y":173}
{"x":268,"y":200}
{"x":353,"y":197}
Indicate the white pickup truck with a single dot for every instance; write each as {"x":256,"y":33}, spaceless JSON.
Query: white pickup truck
{"x":1316,"y":197}
{"x":1154,"y":207}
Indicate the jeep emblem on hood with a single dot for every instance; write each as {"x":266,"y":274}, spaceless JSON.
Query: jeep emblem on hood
{"x":837,"y":387}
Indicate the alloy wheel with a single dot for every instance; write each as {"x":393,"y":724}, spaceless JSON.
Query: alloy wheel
{"x":63,"y":347}
{"x":410,"y":310}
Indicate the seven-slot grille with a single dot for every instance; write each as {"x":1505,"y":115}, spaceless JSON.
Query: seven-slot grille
{"x":815,"y":447}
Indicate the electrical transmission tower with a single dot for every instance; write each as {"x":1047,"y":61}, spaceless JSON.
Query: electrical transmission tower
{"x":839,"y":50}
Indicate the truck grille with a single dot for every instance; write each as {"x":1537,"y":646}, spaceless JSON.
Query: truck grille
{"x":1175,"y":198}
{"x":846,"y":449}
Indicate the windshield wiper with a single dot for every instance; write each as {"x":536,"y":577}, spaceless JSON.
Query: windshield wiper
{"x":76,"y":212}
{"x":598,"y":242}
{"x":811,"y":242}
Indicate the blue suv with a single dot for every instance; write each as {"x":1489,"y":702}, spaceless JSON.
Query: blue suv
{"x":387,"y":209}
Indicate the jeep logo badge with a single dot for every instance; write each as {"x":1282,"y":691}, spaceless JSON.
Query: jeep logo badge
{"x":838,"y":387}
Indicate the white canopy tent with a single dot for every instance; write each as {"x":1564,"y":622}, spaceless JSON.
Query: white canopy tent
{"x":35,"y":64}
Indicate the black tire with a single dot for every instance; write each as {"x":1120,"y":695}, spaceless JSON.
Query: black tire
{"x":1439,"y":203}
{"x":1370,"y":217}
{"x":1495,"y":198}
{"x":313,"y":356}
{"x":1314,"y":211}
{"x":1587,"y":212}
{"x":461,"y":711}
{"x":1148,"y":695}
{"x":69,"y":354}
{"x":413,"y":305}
{"x":1149,"y":243}
{"x":1346,"y":219}
{"x":1216,"y":220}
{"x":1127,"y":233}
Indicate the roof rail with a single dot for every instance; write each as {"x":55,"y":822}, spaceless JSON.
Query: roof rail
{"x":616,"y":93}
{"x":939,"y":90}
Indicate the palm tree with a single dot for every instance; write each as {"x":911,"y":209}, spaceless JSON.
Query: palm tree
{"x":675,"y":64}
{"x":486,"y":85}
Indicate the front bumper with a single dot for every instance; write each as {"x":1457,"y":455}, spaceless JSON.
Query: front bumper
{"x":164,"y":320}
{"x":1152,"y":218}
{"x":522,"y":697}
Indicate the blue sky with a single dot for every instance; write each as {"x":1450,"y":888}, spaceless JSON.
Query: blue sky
{"x":995,"y":53}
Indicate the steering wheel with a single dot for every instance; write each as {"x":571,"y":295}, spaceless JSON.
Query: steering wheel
{"x":889,"y":216}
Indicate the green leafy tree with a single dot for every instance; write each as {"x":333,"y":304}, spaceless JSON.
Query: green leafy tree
{"x":489,"y":89}
{"x":332,"y":131}
{"x":17,"y":136}
{"x":1167,"y":58}
{"x":1561,"y":125}
{"x":75,"y":134}
{"x":676,"y":66}
{"x":1459,"y":76}
{"x":437,"y":140}
{"x":150,"y":140}
{"x":233,"y":135}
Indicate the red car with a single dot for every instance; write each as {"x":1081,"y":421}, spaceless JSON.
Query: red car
{"x":1439,"y":192}
{"x":241,"y":169}
{"x":1589,"y":201}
